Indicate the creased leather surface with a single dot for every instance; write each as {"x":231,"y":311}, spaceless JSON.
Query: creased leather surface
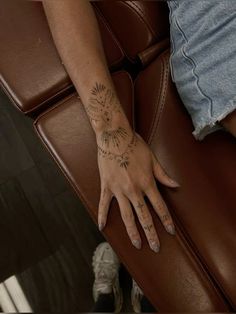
{"x":144,"y":23}
{"x":31,"y":71}
{"x":173,"y":280}
{"x":205,"y":203}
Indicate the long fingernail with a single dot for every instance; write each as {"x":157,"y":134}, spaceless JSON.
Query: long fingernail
{"x":137,"y":244}
{"x":101,"y":226}
{"x":170,"y":229}
{"x":155,"y":247}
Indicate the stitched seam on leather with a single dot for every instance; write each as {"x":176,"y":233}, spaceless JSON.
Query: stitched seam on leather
{"x":157,"y":106}
{"x":160,"y":101}
{"x":132,"y":106}
{"x":142,"y":17}
{"x":112,"y":35}
{"x":185,"y":236}
{"x":142,"y":20}
{"x":187,"y":241}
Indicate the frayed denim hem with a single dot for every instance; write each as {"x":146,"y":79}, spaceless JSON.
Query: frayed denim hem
{"x":201,"y":131}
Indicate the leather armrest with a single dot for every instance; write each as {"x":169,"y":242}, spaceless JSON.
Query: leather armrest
{"x":174,"y":279}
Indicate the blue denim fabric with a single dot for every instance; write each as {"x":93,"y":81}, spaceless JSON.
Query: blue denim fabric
{"x":203,"y":59}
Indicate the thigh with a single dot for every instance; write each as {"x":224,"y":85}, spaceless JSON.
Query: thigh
{"x":229,"y":123}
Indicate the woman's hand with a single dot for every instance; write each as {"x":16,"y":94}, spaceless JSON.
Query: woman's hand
{"x":128,"y":169}
{"x":126,"y":164}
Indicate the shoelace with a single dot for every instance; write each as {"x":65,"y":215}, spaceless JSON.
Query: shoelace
{"x":104,"y":276}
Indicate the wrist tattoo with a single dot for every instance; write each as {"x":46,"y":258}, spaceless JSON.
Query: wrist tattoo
{"x":113,"y":137}
{"x":122,"y":159}
{"x":102,"y":104}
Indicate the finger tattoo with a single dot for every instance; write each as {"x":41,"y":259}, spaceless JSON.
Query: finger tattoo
{"x":165,"y":217}
{"x":140,"y":206}
{"x":148,"y":227}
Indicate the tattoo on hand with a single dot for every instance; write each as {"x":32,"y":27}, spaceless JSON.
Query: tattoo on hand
{"x":114,"y":137}
{"x":102,"y":106}
{"x":140,"y":206}
{"x":148,"y":227}
{"x":165,"y":217}
{"x":122,"y":159}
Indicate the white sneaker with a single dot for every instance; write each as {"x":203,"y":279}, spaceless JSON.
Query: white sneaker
{"x":136,"y":296}
{"x":106,"y":270}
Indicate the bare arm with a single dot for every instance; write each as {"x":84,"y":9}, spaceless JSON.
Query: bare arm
{"x":75,"y":31}
{"x":127,"y":166}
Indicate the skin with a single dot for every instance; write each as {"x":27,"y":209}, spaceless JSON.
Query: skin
{"x":127,"y":166}
{"x":230,"y":123}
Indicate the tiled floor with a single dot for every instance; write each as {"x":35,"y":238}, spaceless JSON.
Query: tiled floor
{"x":46,"y":235}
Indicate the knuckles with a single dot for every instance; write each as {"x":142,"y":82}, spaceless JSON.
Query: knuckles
{"x":128,"y":218}
{"x":147,"y":182}
{"x":145,"y":218}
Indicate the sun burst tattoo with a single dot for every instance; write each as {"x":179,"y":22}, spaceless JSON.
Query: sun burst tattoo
{"x":102,"y":104}
{"x":122,"y":159}
{"x":113,"y":137}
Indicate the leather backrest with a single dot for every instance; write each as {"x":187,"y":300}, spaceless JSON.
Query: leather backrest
{"x":136,"y":24}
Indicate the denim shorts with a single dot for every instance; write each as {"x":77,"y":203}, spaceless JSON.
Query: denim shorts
{"x":203,"y":59}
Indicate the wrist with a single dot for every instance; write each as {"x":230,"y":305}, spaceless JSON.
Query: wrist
{"x":105,"y":111}
{"x":115,"y":138}
{"x":119,"y":120}
{"x":111,"y":121}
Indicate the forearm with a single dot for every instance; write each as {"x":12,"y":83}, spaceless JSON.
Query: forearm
{"x":76,"y":34}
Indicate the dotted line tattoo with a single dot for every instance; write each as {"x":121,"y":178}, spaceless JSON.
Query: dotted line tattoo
{"x":122,"y":159}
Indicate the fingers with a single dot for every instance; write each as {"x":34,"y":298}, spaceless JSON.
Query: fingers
{"x":129,"y":220}
{"x":160,"y":207}
{"x":146,"y":221}
{"x":161,"y":175}
{"x":103,"y":208}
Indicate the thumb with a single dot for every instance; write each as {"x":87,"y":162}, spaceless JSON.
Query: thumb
{"x":161,"y":175}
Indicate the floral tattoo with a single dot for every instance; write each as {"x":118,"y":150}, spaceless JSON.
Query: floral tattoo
{"x":122,"y":159}
{"x":103,"y":105}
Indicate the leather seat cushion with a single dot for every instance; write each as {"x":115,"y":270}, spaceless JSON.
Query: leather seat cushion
{"x":204,"y":206}
{"x":174,"y":279}
{"x":31,"y":72}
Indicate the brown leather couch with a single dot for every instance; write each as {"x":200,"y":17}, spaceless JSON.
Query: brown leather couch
{"x":195,"y":270}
